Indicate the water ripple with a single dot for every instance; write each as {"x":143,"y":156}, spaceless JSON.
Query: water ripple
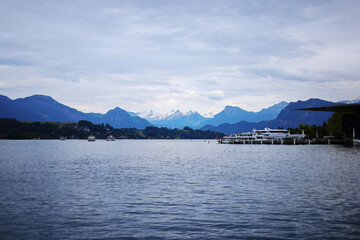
{"x":177,"y":190}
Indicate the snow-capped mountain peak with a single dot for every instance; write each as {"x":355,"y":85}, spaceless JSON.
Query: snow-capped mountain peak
{"x":174,"y":114}
{"x":153,"y":116}
{"x":189,"y":113}
{"x":356,"y":100}
{"x":209,"y":114}
{"x":150,"y":115}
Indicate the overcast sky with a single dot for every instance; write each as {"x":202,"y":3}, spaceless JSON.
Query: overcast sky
{"x":187,"y":55}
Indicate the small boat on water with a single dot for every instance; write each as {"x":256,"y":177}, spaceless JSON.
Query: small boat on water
{"x":110,"y":138}
{"x":63,"y":138}
{"x":91,"y":138}
{"x":356,"y":142}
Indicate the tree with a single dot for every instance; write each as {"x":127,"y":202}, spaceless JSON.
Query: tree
{"x":335,"y":125}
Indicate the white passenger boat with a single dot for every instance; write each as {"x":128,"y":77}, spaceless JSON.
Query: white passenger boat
{"x":268,"y":133}
{"x":261,"y":135}
{"x":91,"y":138}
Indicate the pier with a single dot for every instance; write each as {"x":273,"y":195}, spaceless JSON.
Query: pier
{"x":282,"y":137}
{"x":350,"y":121}
{"x":286,"y":141}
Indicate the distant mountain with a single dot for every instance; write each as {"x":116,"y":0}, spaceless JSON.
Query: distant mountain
{"x":39,"y":108}
{"x":239,"y":127}
{"x":173,"y":115}
{"x":177,"y":119}
{"x":290,"y":118}
{"x":270,"y":112}
{"x":231,"y":119}
{"x":45,"y":109}
{"x":150,"y":115}
{"x":356,"y":100}
{"x":235,"y":114}
{"x":132,"y":114}
{"x":287,"y":118}
{"x":230,"y":114}
{"x":119,"y":118}
{"x":208,"y":114}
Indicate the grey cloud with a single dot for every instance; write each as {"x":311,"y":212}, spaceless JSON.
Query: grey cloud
{"x":215,"y":98}
{"x":302,"y":76}
{"x":273,"y":73}
{"x":161,"y":35}
{"x":13,"y":62}
{"x":134,"y":43}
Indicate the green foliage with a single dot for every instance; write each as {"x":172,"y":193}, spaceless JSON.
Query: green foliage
{"x":13,"y":129}
{"x":335,"y":125}
{"x":311,"y":131}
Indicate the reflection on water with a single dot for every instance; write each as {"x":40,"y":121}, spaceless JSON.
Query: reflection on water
{"x":177,"y":189}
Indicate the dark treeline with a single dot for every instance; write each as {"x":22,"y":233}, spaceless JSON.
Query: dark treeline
{"x":13,"y":129}
{"x":333,"y":127}
{"x":311,"y":131}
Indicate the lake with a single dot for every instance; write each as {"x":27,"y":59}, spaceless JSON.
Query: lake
{"x":177,"y":189}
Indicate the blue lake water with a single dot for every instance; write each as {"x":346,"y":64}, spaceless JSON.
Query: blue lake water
{"x":177,"y":189}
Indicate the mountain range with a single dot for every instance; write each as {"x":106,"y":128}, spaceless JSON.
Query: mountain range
{"x":175,"y":119}
{"x":233,"y":114}
{"x":230,"y":114}
{"x":230,"y":119}
{"x":289,"y":117}
{"x":45,"y":109}
{"x":356,"y":100}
